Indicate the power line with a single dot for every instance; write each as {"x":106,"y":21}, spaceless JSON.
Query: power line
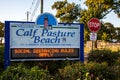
{"x":33,"y":8}
{"x":32,"y":5}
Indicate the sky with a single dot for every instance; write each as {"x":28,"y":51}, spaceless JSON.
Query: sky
{"x":15,"y":10}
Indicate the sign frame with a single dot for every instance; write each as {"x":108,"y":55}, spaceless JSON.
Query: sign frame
{"x":7,"y":59}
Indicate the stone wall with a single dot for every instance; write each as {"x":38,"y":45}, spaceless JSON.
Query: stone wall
{"x":102,"y":44}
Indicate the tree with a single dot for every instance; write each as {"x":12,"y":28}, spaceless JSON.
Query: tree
{"x":70,"y":12}
{"x":116,"y":7}
{"x":110,"y":31}
{"x":1,"y":29}
{"x":107,"y":32}
{"x":99,"y":9}
{"x":117,"y":30}
{"x":66,"y":12}
{"x":105,"y":36}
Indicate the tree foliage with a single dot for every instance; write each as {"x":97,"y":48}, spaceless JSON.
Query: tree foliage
{"x":99,"y":9}
{"x":110,"y":31}
{"x":116,"y":7}
{"x":1,"y":29}
{"x":117,"y":36}
{"x":70,"y":12}
{"x":67,"y":12}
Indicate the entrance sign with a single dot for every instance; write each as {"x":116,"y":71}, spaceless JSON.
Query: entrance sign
{"x":35,"y":42}
{"x":94,"y":24}
{"x":26,"y":41}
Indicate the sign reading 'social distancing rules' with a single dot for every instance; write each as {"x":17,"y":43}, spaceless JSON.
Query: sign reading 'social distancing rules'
{"x":30,"y":41}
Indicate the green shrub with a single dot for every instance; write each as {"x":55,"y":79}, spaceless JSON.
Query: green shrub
{"x":96,"y":67}
{"x":73,"y":72}
{"x":117,"y":65}
{"x":102,"y":71}
{"x":38,"y":74}
{"x":21,"y":72}
{"x":14,"y":72}
{"x":103,"y":56}
{"x":89,"y":71}
{"x":53,"y":66}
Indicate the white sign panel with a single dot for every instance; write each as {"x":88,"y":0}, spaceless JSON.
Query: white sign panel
{"x":93,"y":36}
{"x":29,"y":35}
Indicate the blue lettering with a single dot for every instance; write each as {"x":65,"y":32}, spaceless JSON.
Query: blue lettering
{"x":43,"y":40}
{"x":57,"y":33}
{"x":72,"y":34}
{"x":44,"y":32}
{"x":20,"y":32}
{"x":38,"y":39}
{"x":54,"y":40}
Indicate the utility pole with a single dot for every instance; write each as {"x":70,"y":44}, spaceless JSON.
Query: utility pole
{"x":41,"y":5}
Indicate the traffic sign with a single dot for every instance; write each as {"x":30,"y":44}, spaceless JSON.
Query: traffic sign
{"x":93,"y":36}
{"x":94,"y":24}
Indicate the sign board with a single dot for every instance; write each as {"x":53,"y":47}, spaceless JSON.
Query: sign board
{"x":93,"y":36}
{"x":94,"y":24}
{"x":26,"y":41}
{"x":35,"y":42}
